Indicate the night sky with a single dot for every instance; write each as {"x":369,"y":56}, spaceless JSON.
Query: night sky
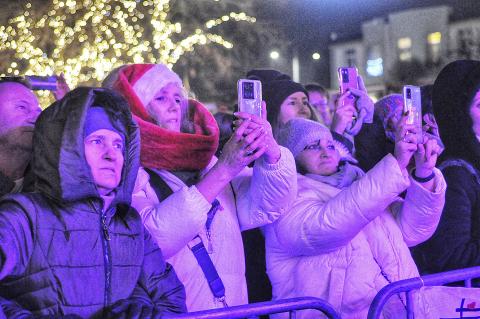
{"x":309,"y":23}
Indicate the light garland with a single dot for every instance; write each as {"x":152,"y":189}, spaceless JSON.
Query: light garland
{"x":121,"y":32}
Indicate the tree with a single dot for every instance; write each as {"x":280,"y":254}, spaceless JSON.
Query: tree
{"x":212,"y":72}
{"x":86,"y":39}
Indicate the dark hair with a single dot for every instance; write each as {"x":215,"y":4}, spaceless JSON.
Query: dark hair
{"x":426,"y":93}
{"x":225,"y":125}
{"x":15,"y":79}
{"x":315,"y":87}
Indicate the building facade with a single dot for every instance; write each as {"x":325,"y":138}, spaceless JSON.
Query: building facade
{"x":407,"y":47}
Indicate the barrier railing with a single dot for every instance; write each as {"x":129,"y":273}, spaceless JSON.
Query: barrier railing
{"x":263,"y":308}
{"x":408,"y":285}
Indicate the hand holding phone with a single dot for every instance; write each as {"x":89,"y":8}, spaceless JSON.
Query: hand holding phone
{"x":250,"y":96}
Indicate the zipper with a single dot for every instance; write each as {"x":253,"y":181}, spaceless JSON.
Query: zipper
{"x":106,"y":257}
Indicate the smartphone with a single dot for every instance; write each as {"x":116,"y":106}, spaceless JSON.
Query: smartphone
{"x":42,"y":82}
{"x":347,"y":77}
{"x":250,"y":96}
{"x":412,"y":103}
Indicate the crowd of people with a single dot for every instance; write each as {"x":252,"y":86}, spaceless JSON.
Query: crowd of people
{"x":129,"y":200}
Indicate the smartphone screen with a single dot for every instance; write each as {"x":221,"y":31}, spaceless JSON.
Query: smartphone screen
{"x":347,"y":77}
{"x":250,"y":96}
{"x":412,"y":103}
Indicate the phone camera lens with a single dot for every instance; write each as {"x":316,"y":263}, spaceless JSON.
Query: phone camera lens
{"x":409,"y":94}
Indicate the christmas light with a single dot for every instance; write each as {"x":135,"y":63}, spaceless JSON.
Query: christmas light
{"x":86,"y":39}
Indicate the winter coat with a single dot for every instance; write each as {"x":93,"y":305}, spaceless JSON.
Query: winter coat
{"x":345,"y":245}
{"x":61,"y":251}
{"x":7,"y":185}
{"x":255,"y":197}
{"x":456,"y":243}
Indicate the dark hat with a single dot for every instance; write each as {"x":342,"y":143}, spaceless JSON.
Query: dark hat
{"x":276,"y":87}
{"x":266,"y":75}
{"x":277,"y":91}
{"x":97,"y":119}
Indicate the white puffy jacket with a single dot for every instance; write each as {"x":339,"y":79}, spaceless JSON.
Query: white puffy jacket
{"x":345,"y":245}
{"x":254,"y":198}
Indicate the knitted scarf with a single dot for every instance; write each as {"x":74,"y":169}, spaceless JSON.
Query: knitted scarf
{"x":344,"y":177}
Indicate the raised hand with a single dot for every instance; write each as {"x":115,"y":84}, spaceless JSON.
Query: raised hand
{"x":272,"y":150}
{"x":405,"y":142}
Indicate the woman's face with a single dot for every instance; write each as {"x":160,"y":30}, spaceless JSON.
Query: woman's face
{"x":294,"y":106}
{"x":319,"y":158}
{"x":475,"y":113}
{"x":165,"y":108}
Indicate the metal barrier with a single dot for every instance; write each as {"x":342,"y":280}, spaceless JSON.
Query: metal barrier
{"x":408,"y":285}
{"x":263,"y":308}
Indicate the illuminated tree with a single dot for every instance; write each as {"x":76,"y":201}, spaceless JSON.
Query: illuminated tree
{"x":85,"y":39}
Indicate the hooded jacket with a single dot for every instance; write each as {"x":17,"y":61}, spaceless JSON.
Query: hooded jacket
{"x":456,"y":243}
{"x":61,"y":251}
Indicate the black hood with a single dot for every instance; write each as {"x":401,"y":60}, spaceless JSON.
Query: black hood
{"x":453,"y":92}
{"x":61,"y":170}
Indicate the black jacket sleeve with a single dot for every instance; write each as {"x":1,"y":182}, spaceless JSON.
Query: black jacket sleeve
{"x":371,"y":144}
{"x":159,"y":281}
{"x":456,"y":242}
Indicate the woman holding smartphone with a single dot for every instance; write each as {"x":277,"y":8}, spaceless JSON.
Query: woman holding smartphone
{"x":347,"y":233}
{"x":194,"y":204}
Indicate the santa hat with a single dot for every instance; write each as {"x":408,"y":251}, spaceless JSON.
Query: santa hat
{"x":144,"y":80}
{"x":161,"y":148}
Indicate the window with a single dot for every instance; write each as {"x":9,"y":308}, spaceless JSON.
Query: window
{"x":434,"y":41}
{"x":374,"y":61}
{"x":465,"y":43}
{"x":404,"y":46}
{"x":351,"y":57}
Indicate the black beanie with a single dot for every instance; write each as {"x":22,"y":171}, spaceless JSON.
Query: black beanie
{"x":266,"y":75}
{"x":275,"y":92}
{"x":276,"y":87}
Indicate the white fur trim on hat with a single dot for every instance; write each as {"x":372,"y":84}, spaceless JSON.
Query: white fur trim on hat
{"x":153,"y":81}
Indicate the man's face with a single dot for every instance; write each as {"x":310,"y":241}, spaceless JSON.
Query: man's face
{"x":19,"y":110}
{"x":104,"y":155}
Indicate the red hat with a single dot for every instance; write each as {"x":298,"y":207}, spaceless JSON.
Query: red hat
{"x":161,"y":148}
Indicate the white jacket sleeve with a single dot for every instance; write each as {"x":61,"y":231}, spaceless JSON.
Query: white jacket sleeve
{"x":420,"y":213}
{"x":266,"y":191}
{"x":174,"y":221}
{"x":319,"y":223}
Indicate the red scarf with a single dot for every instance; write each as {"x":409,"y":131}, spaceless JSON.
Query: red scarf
{"x":173,"y":151}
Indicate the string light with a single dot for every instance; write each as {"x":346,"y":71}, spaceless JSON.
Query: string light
{"x":89,"y":38}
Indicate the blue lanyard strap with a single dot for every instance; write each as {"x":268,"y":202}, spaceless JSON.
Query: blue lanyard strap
{"x":211,"y":214}
{"x":208,"y":269}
